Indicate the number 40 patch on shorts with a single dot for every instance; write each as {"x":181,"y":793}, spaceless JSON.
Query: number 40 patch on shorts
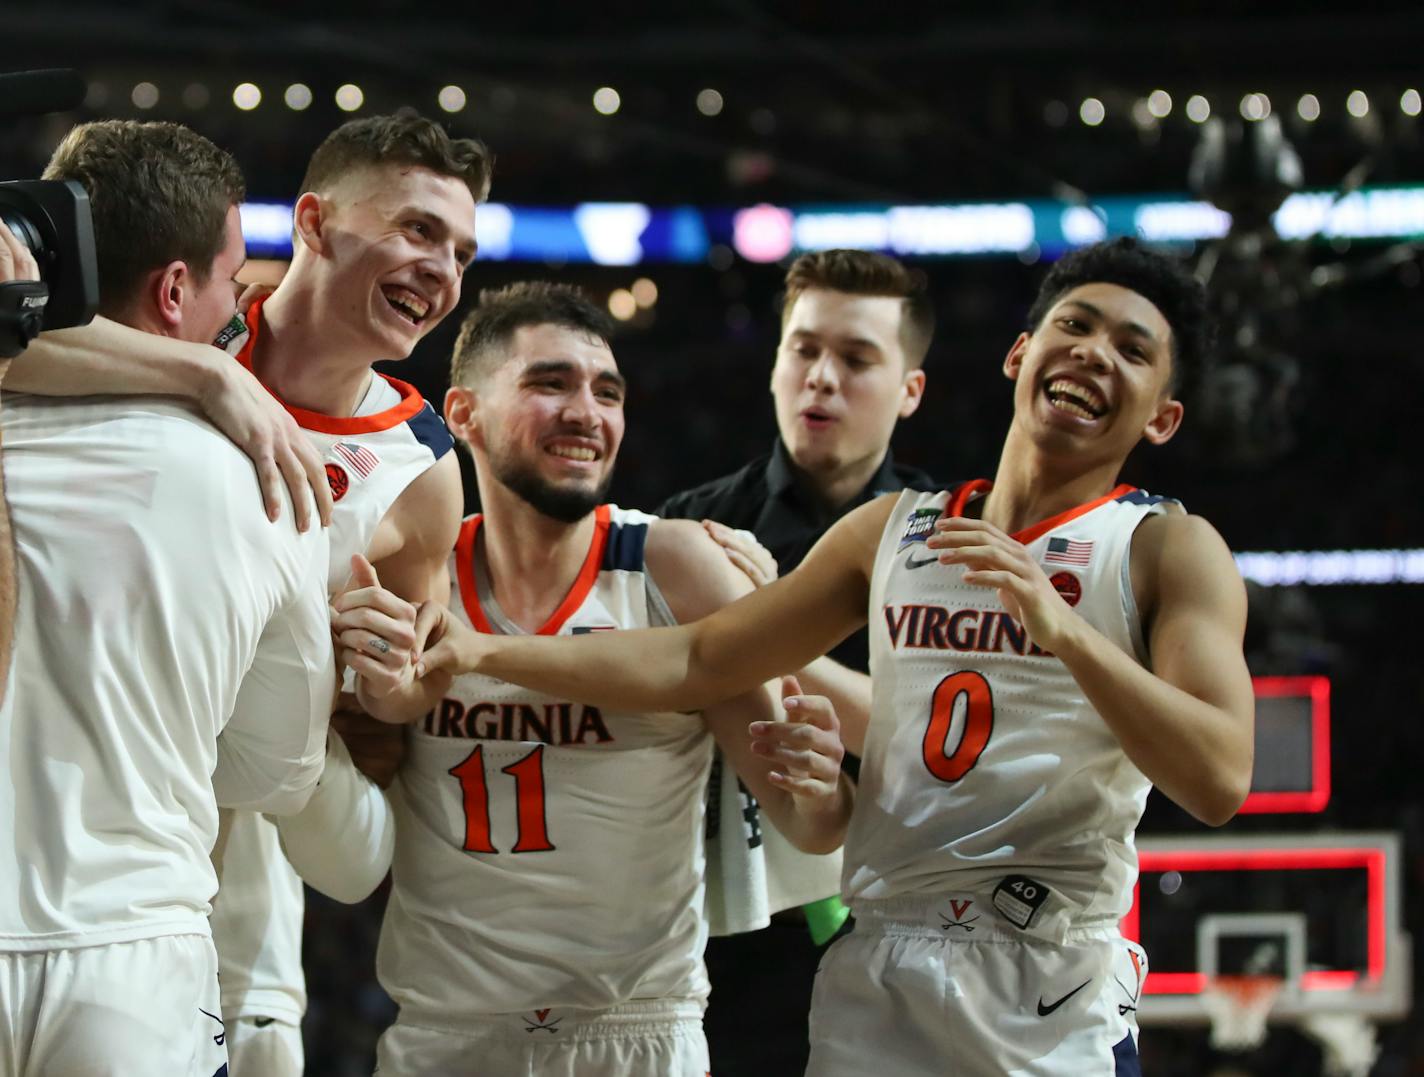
{"x":1019,"y":898}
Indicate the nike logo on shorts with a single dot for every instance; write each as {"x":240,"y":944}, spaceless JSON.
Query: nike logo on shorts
{"x":1044,"y":1011}
{"x":910,"y":562}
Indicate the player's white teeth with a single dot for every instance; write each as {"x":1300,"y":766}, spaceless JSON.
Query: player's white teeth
{"x":1076,"y":399}
{"x":574,"y":452}
{"x":407,"y":302}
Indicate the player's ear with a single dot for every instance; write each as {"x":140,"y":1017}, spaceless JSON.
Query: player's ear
{"x":461,"y":412}
{"x":307,"y":222}
{"x":1013,"y":362}
{"x":167,"y":288}
{"x":912,"y":391}
{"x":1164,"y":423}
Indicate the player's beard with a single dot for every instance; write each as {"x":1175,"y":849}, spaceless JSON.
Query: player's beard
{"x":567,"y":504}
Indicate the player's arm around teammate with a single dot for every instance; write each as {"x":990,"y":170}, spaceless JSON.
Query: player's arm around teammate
{"x":1186,"y":723}
{"x":111,"y":358}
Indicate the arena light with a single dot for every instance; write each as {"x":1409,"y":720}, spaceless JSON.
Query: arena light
{"x":349,"y":97}
{"x":298,"y":97}
{"x":196,"y":96}
{"x":145,"y":95}
{"x":1255,"y":106}
{"x":1358,"y":104}
{"x":451,"y":98}
{"x":645,"y":291}
{"x":246,"y":96}
{"x":621,"y":304}
{"x":1005,"y":228}
{"x":1142,"y":115}
{"x":1325,"y":568}
{"x":267,"y":227}
{"x":1409,"y":103}
{"x":606,"y":100}
{"x":763,"y":233}
{"x":1159,"y":103}
{"x":1092,"y":112}
{"x":1308,"y":107}
{"x":709,"y":102}
{"x":611,"y":231}
{"x":634,"y":233}
{"x":1198,"y":108}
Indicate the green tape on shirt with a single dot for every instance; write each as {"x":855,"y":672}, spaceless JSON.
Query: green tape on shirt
{"x":825,"y":918}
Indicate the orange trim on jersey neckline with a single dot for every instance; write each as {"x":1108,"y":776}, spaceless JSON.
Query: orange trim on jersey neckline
{"x":409,"y":407}
{"x":583,"y":583}
{"x":969,"y":489}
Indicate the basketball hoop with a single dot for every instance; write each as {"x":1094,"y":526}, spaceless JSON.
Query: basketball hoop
{"x":1238,"y":1007}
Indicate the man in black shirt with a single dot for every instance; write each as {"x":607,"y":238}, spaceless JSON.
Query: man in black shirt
{"x":855,"y":327}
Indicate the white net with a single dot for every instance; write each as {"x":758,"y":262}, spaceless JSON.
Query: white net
{"x":1349,"y":1042}
{"x":1238,"y":1007}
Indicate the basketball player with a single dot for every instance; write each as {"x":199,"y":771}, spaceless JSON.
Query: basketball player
{"x":383,"y":233}
{"x":158,"y":609}
{"x":546,"y":910}
{"x":1045,"y":648}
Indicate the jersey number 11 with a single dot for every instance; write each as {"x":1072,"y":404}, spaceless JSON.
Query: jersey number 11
{"x":528,"y":775}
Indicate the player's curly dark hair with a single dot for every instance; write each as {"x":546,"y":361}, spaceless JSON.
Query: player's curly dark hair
{"x":489,"y":327}
{"x":1164,"y":281}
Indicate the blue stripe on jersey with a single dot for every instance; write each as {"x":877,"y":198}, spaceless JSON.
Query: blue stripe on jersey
{"x":1142,"y":497}
{"x":624,"y":551}
{"x":1125,"y":1061}
{"x":429,"y":430}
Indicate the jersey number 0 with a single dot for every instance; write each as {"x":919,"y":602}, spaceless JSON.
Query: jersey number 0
{"x":528,"y":775}
{"x":950,"y":766}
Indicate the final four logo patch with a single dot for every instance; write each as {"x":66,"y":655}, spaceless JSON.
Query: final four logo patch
{"x":918,"y":526}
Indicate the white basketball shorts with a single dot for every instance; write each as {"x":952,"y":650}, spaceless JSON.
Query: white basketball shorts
{"x":143,"y":1007}
{"x":639,"y":1039}
{"x":932,"y":988}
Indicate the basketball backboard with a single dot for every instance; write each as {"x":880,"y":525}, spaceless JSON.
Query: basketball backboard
{"x":1321,"y":910}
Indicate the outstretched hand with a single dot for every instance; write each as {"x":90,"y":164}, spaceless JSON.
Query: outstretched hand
{"x":806,"y":749}
{"x":991,"y":558}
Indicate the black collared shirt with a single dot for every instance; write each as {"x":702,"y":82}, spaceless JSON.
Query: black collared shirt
{"x":769,"y":499}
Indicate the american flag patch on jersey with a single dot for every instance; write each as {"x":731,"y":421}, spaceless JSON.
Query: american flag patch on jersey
{"x":1062,"y":551}
{"x":362,"y":460}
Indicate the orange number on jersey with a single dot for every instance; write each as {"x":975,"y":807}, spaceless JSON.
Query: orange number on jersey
{"x":978,"y":724}
{"x":528,"y":775}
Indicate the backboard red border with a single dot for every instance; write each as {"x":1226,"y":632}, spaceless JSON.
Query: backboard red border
{"x":1317,"y":796}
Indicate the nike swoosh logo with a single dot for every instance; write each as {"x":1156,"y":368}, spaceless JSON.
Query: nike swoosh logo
{"x":910,"y":562}
{"x":1044,"y":1011}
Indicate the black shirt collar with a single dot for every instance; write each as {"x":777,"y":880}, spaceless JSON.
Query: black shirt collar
{"x":782,"y":476}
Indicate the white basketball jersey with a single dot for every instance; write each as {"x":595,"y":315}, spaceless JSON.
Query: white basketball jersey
{"x":371,"y":458}
{"x":548,"y":853}
{"x":157,"y":605}
{"x":984,"y":762}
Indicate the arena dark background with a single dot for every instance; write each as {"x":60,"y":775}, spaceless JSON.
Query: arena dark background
{"x":842,"y":102}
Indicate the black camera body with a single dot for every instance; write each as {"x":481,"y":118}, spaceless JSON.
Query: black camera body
{"x":52,"y":219}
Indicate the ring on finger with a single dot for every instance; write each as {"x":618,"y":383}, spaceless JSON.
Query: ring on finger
{"x":379,"y":645}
